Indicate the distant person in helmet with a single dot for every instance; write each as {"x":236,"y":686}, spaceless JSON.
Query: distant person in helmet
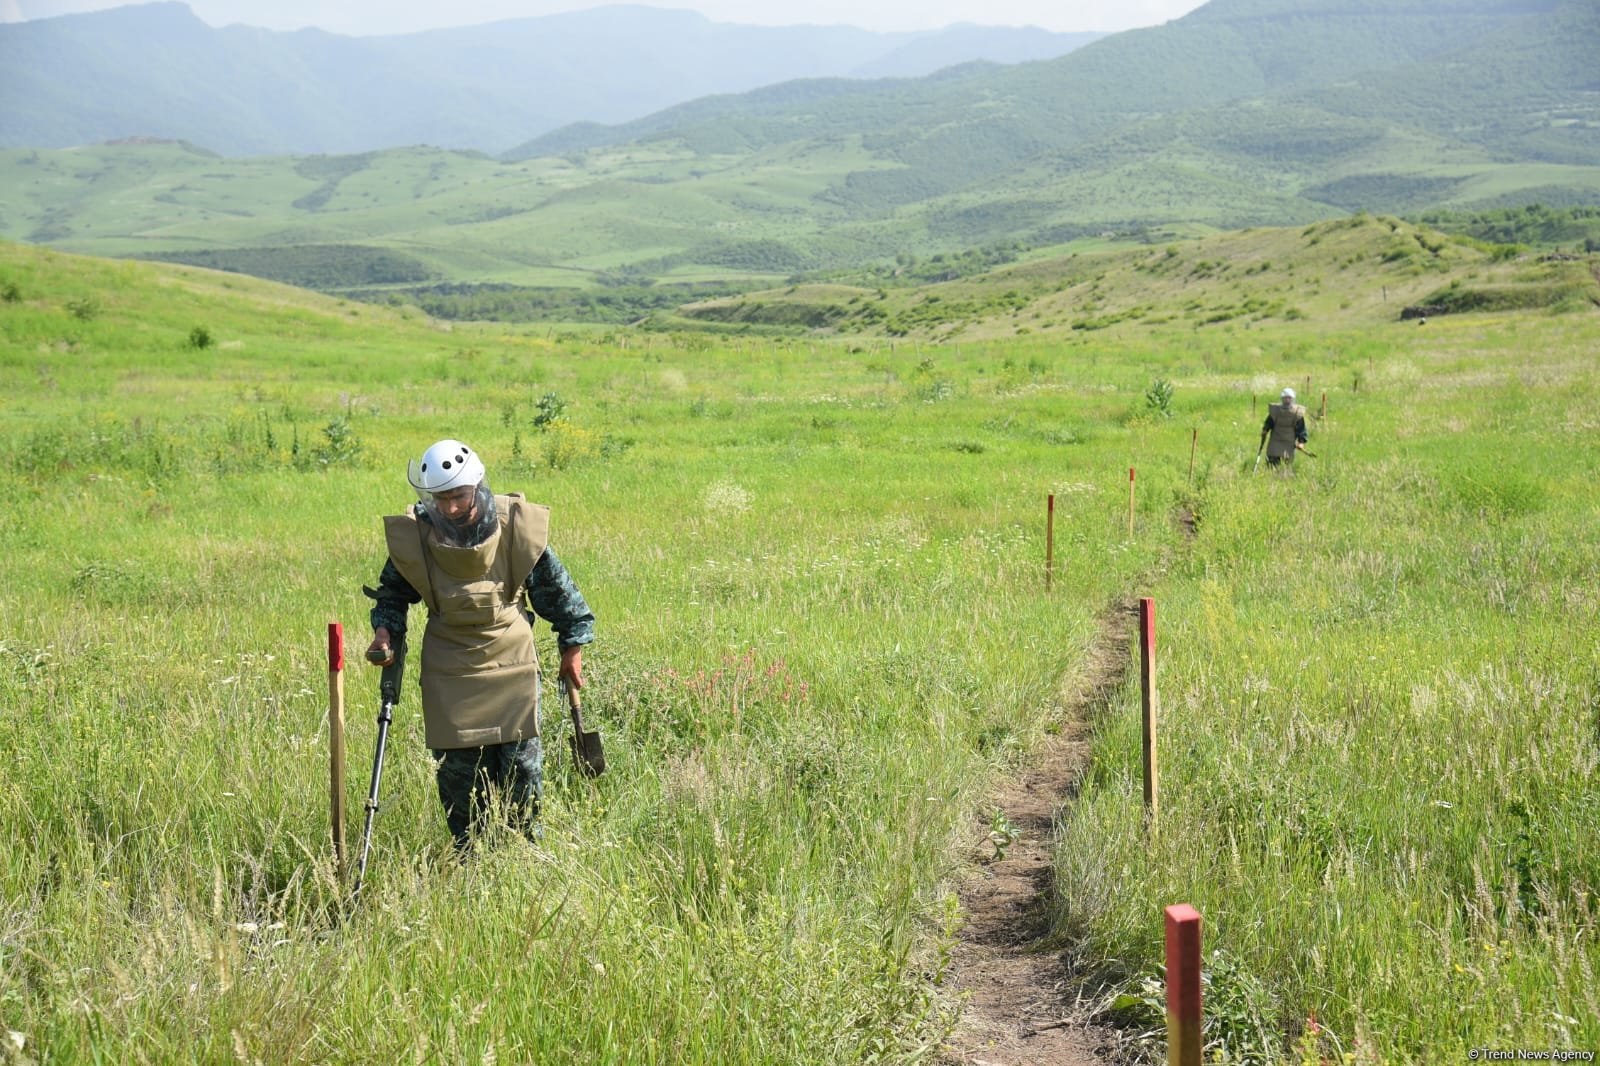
{"x":1284,"y":431}
{"x":472,"y":557}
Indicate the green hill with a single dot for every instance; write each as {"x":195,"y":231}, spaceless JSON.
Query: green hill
{"x":1348,"y":273}
{"x":1241,"y":114}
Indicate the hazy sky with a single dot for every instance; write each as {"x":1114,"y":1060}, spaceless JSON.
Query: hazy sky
{"x":364,"y":17}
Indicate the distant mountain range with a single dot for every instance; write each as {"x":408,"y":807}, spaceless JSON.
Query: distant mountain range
{"x":158,"y":71}
{"x":1242,"y":113}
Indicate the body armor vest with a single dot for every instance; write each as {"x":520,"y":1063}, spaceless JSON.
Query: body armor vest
{"x":1280,"y":445}
{"x":480,"y":676}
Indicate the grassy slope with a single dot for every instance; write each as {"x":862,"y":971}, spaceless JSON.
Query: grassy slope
{"x":1346,"y":273}
{"x":816,"y":567}
{"x":798,"y":732}
{"x":1379,"y":715}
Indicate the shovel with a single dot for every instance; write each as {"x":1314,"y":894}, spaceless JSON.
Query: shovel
{"x":587,"y":751}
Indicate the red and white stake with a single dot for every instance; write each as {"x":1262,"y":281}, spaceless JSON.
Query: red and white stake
{"x":1184,"y":1009}
{"x":336,"y":738}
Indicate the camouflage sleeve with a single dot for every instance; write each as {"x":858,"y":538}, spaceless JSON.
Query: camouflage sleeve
{"x":555,"y":598}
{"x":392,"y":600}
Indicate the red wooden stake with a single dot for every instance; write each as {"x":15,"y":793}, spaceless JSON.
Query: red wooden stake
{"x":1184,"y":1009}
{"x":1049,"y":541}
{"x":1324,"y":412}
{"x":336,"y":738}
{"x":1147,"y":694}
{"x":335,"y":647}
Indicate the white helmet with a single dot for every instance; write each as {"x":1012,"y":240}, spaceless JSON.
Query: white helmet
{"x":1288,"y":394}
{"x":447,"y":465}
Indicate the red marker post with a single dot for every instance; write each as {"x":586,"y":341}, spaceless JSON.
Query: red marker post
{"x":1184,"y":1013}
{"x":336,"y":738}
{"x":1148,"y":703}
{"x":1049,"y":540}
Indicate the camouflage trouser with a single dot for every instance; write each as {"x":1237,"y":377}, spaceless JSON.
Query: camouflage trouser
{"x":470,"y":779}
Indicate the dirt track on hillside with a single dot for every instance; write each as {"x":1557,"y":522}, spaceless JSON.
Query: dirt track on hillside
{"x":1019,"y":999}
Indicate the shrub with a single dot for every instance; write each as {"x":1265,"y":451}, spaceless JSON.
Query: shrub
{"x":1158,"y":398}
{"x":340,"y":443}
{"x":552,"y":409}
{"x":84,"y":308}
{"x":566,"y":444}
{"x":200,"y":338}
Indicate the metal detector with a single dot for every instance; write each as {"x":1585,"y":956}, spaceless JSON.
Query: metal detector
{"x":388,"y":698}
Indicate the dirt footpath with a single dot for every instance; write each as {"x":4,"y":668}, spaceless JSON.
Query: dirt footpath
{"x":1019,"y":1003}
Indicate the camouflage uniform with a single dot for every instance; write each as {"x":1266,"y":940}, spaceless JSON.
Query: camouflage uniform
{"x":465,"y":776}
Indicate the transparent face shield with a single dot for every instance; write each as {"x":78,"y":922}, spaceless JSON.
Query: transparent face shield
{"x":464,"y":517}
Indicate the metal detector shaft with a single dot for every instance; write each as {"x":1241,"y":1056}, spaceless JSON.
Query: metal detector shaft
{"x":388,"y":698}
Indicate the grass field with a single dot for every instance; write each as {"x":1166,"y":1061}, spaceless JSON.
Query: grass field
{"x":823,"y":637}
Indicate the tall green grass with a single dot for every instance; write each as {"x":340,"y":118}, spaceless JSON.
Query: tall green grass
{"x":823,"y":637}
{"x":1379,"y":733}
{"x":822,"y":634}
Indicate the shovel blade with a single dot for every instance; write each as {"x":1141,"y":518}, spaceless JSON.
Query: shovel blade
{"x":589,"y":753}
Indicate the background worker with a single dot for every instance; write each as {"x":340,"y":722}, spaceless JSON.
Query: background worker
{"x":1284,"y":431}
{"x":472,"y":557}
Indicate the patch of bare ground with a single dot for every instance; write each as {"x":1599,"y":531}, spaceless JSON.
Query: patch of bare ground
{"x":1019,"y":1000}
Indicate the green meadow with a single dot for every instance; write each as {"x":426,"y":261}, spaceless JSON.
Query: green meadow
{"x":824,"y":638}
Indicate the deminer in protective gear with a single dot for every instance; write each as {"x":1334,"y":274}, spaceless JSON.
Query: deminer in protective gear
{"x":477,"y":560}
{"x":1284,"y":431}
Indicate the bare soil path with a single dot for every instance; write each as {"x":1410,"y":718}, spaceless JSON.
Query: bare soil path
{"x":1019,"y":1000}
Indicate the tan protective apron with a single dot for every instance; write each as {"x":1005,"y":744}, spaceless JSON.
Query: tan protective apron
{"x":480,"y":677}
{"x":1280,"y":445}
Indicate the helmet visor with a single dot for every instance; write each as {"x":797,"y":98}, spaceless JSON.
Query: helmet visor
{"x":463,"y":517}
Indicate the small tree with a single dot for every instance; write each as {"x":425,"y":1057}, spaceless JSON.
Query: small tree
{"x":200,"y":338}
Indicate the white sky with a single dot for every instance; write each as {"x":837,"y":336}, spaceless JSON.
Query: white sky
{"x":368,"y":17}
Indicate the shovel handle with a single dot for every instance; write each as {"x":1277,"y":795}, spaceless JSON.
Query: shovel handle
{"x":573,"y":704}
